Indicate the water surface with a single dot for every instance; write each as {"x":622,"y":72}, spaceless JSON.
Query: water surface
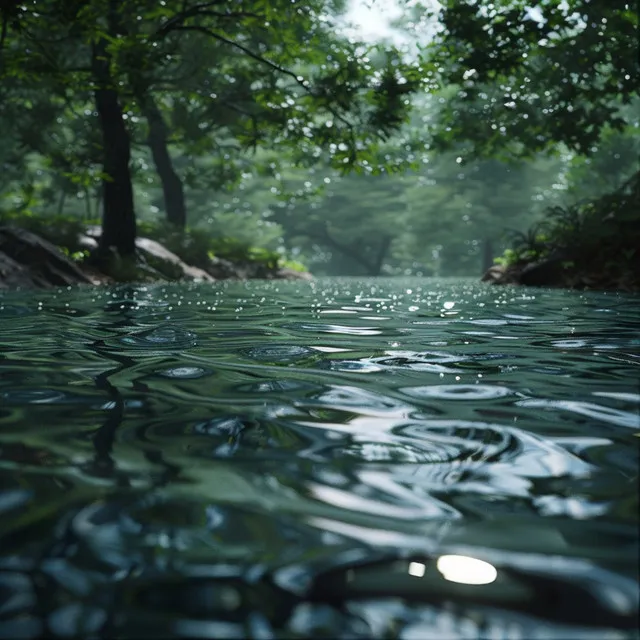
{"x":327,"y":459}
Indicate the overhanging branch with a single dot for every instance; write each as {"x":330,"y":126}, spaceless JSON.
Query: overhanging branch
{"x":258,"y":58}
{"x":247,"y":51}
{"x":200,"y":9}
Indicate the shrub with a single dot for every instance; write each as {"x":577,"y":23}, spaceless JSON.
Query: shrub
{"x":600,"y":237}
{"x":63,"y":231}
{"x":194,"y":246}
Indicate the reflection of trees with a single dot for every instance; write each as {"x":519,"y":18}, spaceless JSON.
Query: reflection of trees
{"x":104,"y":437}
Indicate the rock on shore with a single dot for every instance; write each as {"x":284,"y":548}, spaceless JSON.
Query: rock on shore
{"x":29,"y":261}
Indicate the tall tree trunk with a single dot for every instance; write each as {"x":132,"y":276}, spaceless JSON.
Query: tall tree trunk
{"x":381,"y":254}
{"x":118,"y":217}
{"x":87,"y":203}
{"x":172,"y":188}
{"x":61,"y":201}
{"x":487,"y":254}
{"x":98,"y":196}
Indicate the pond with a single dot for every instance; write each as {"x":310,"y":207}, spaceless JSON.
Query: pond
{"x":405,"y":458}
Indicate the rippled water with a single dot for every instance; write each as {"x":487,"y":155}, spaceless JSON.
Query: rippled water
{"x":302,"y":459}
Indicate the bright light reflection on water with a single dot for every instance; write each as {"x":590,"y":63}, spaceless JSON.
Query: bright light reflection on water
{"x":466,"y":570}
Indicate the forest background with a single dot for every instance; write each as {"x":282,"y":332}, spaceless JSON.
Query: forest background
{"x":427,"y":140}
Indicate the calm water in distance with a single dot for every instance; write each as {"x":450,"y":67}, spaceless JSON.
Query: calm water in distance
{"x":389,"y":458}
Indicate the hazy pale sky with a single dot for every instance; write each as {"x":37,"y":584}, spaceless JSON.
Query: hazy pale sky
{"x":371,"y":20}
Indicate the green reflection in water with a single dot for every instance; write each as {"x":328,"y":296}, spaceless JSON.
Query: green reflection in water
{"x":229,"y":459}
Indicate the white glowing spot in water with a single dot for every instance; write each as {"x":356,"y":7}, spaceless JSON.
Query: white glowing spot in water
{"x":417,"y":569}
{"x":449,"y":305}
{"x":466,"y":570}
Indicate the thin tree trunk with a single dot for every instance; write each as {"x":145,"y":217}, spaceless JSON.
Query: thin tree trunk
{"x":87,"y":203}
{"x":383,"y":249}
{"x":487,"y":255}
{"x":118,"y":218}
{"x":61,"y":201}
{"x":172,"y":188}
{"x":98,"y":196}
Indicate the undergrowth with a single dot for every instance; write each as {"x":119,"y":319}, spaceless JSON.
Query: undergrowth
{"x":600,"y":238}
{"x":194,"y":246}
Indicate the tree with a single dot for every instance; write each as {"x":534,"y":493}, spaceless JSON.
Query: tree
{"x":119,"y":220}
{"x":313,"y":93}
{"x":557,"y":76}
{"x":354,"y":222}
{"x":528,"y":77}
{"x":434,"y":220}
{"x":52,"y":44}
{"x":475,"y":205}
{"x":607,"y":167}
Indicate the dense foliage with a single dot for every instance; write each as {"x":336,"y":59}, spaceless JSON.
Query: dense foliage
{"x":554,"y":76}
{"x":218,"y":127}
{"x":217,"y":77}
{"x":530,"y":76}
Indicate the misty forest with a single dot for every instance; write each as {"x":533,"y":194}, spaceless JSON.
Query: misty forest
{"x":319,"y":319}
{"x":461,"y":137}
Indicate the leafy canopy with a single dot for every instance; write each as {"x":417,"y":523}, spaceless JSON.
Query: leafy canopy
{"x":526,"y":76}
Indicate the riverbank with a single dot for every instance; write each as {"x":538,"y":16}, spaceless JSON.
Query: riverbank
{"x":589,"y":245}
{"x":557,"y":273}
{"x":31,"y":260}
